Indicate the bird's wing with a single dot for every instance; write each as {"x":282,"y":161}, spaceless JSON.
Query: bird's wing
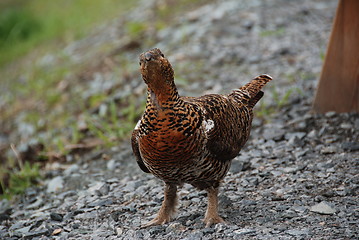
{"x":221,"y":126}
{"x":136,"y":151}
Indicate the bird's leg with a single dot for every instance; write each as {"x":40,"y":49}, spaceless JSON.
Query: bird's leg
{"x":168,"y":207}
{"x":212,"y":216}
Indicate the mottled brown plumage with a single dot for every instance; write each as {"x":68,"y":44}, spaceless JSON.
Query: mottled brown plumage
{"x":190,"y":140}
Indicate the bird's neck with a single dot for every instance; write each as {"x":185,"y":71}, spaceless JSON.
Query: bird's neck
{"x":162,"y":97}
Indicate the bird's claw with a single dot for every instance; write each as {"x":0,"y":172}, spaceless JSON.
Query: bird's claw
{"x":156,"y":221}
{"x":212,"y":220}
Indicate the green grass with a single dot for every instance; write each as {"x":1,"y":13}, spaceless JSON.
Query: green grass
{"x":280,"y":100}
{"x":136,"y":29}
{"x":276,"y":32}
{"x":36,"y":28}
{"x":28,"y":24}
{"x":20,"y":179}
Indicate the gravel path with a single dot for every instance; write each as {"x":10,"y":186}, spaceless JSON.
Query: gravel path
{"x":297,"y":177}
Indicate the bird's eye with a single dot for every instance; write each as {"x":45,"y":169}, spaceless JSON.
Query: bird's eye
{"x":162,"y":55}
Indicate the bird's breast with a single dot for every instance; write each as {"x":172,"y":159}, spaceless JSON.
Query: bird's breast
{"x":169,"y":144}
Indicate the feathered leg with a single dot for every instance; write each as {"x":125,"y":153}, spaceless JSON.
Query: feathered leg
{"x":168,"y":207}
{"x":212,"y":216}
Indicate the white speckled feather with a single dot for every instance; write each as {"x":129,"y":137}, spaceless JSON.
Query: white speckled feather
{"x":208,"y":125}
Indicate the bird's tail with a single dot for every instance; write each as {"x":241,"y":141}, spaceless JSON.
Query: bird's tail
{"x":254,"y":86}
{"x":251,"y":93}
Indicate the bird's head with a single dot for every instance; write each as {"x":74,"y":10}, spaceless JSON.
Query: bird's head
{"x":156,"y":70}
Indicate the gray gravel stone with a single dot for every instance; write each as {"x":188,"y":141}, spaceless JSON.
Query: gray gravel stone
{"x":323,"y":208}
{"x":350,"y":146}
{"x":112,"y":164}
{"x":32,"y":235}
{"x":330,"y":114}
{"x":72,"y":169}
{"x":55,"y":184}
{"x":56,"y":216}
{"x":273,"y":134}
{"x":39,"y":202}
{"x":244,"y":231}
{"x":103,"y":190}
{"x":298,"y":233}
{"x":328,"y":150}
{"x":100,"y":203}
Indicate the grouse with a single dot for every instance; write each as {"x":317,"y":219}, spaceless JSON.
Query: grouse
{"x":190,"y":139}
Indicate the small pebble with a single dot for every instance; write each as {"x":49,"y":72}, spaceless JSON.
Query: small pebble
{"x":323,"y":208}
{"x":55,"y":184}
{"x":56,"y":216}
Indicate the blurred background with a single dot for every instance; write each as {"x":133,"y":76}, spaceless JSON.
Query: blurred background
{"x":69,"y":69}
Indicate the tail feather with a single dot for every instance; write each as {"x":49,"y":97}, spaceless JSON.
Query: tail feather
{"x":254,"y":86}
{"x":251,"y":93}
{"x":253,"y":101}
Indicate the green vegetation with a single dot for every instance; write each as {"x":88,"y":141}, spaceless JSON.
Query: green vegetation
{"x":20,"y":179}
{"x":17,"y":25}
{"x":45,"y":98}
{"x":276,"y":32}
{"x":135,"y":29}
{"x":110,"y":127}
{"x":280,"y":100}
{"x":26,"y":24}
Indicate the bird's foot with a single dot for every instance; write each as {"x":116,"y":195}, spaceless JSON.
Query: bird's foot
{"x":210,"y":220}
{"x":159,"y":220}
